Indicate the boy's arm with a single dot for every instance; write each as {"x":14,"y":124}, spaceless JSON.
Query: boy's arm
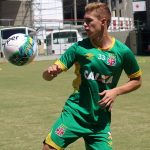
{"x":109,"y":96}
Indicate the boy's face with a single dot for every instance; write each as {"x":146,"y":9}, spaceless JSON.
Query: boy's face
{"x":93,"y":25}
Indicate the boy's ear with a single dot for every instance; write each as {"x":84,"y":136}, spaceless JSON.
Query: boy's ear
{"x":104,"y":21}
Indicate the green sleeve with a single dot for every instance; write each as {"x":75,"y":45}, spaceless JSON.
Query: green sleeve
{"x":68,"y":58}
{"x":130,"y":65}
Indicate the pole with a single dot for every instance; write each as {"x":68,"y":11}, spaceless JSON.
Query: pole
{"x":87,"y":1}
{"x":109,"y":4}
{"x":75,"y":11}
{"x":148,"y":14}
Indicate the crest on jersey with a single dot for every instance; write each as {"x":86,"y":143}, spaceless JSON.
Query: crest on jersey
{"x":111,"y":60}
{"x":60,"y":130}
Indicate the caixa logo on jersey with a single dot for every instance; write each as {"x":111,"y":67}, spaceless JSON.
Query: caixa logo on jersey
{"x":96,"y":76}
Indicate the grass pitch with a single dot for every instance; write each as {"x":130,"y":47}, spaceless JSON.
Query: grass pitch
{"x":29,"y":105}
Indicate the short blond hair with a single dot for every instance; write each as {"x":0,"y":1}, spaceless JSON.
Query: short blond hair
{"x":102,"y":10}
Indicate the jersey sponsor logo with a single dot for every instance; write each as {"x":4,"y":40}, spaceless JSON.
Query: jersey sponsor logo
{"x":109,"y":139}
{"x":89,"y":55}
{"x":97,"y":76}
{"x":109,"y":135}
{"x":60,"y":130}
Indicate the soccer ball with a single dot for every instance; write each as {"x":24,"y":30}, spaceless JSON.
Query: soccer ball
{"x":20,"y":49}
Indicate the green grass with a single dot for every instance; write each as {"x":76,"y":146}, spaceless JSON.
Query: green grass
{"x":29,"y":105}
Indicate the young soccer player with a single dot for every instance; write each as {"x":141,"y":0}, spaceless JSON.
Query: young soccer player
{"x":99,"y":61}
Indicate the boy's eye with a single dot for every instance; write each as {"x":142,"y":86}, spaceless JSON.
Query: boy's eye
{"x":87,"y":21}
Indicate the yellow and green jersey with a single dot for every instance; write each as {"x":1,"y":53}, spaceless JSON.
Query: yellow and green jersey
{"x":96,"y":70}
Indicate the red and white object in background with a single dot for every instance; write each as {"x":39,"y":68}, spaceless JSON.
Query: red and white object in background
{"x":139,"y":6}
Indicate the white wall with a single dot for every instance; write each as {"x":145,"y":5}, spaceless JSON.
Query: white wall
{"x":48,"y":13}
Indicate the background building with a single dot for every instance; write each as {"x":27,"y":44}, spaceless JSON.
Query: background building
{"x":141,"y":13}
{"x":43,"y":12}
{"x":47,"y":15}
{"x":15,"y":13}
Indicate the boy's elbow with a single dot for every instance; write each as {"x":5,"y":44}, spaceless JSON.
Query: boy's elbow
{"x":139,"y":82}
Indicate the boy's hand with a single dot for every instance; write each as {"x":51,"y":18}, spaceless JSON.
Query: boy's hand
{"x":51,"y":72}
